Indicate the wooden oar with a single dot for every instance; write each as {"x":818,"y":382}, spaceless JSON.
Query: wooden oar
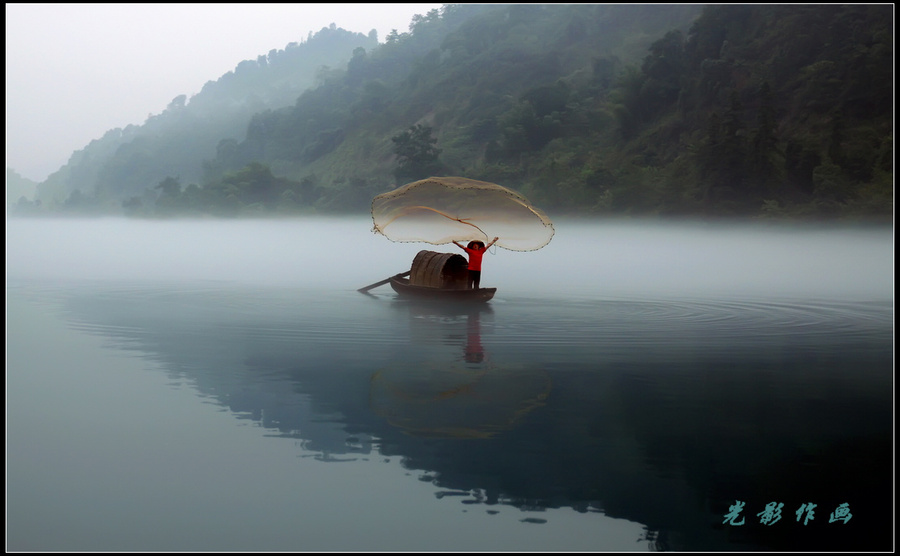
{"x":383,"y":282}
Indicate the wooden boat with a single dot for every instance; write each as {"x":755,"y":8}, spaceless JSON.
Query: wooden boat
{"x":402,"y":286}
{"x":436,"y":277}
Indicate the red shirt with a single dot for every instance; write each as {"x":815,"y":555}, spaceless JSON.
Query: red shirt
{"x":475,"y":258}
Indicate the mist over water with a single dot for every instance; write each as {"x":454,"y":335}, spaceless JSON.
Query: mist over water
{"x":643,"y":259}
{"x":221,"y":385}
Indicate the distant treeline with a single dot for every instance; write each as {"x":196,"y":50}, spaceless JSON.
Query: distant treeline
{"x":759,"y":110}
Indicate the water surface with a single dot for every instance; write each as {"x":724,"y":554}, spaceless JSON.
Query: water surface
{"x":222,"y":386}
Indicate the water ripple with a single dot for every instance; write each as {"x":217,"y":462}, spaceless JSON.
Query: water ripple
{"x":696,"y":322}
{"x":223,"y":316}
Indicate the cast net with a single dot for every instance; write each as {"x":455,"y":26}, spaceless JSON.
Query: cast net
{"x":445,"y":209}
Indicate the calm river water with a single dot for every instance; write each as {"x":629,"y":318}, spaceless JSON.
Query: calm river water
{"x":222,"y":386}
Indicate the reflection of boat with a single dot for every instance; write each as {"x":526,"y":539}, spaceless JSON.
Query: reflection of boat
{"x":403,"y":287}
{"x":433,"y":392}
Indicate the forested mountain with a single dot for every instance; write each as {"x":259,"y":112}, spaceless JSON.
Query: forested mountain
{"x":131,"y":161}
{"x":622,"y":109}
{"x":18,"y":187}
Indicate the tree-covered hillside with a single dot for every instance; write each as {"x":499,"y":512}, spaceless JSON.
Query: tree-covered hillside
{"x":466,"y":77}
{"x":19,"y":191}
{"x":606,"y":109}
{"x":129,"y":162}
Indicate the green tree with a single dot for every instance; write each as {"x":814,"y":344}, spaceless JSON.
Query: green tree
{"x":663,"y":70}
{"x":763,"y":148}
{"x":417,"y":153}
{"x":78,"y":202}
{"x":133,"y":206}
{"x":733,"y":147}
{"x":169,"y":200}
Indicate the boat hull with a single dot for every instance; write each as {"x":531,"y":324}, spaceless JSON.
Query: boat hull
{"x":405,"y":289}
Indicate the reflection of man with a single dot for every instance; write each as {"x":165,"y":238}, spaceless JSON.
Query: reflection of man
{"x":474,"y":349}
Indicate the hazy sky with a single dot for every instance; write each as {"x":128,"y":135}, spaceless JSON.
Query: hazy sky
{"x":74,"y":71}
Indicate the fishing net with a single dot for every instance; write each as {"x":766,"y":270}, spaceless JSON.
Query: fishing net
{"x":445,"y":209}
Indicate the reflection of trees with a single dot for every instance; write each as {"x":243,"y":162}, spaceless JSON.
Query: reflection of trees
{"x":664,"y":436}
{"x":449,"y":400}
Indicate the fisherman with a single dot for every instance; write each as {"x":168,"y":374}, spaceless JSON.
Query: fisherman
{"x":475,"y":250}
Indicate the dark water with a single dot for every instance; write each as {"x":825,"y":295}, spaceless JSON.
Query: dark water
{"x":214,"y":386}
